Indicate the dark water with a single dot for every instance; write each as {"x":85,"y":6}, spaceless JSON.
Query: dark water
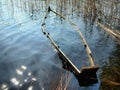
{"x":29,"y":62}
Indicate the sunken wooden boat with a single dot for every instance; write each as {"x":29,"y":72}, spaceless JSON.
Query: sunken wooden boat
{"x":85,"y":76}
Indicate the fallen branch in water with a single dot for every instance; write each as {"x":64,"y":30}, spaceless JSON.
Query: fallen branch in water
{"x":114,"y":33}
{"x":112,"y":82}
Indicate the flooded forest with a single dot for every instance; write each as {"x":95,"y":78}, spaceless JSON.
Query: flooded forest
{"x":59,"y":44}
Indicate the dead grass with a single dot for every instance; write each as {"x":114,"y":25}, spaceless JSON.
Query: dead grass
{"x":64,"y":81}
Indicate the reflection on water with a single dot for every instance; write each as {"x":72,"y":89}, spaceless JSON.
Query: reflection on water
{"x":14,"y":81}
{"x":27,"y":60}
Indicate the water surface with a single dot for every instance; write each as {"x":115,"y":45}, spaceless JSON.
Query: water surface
{"x":28,"y":61}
